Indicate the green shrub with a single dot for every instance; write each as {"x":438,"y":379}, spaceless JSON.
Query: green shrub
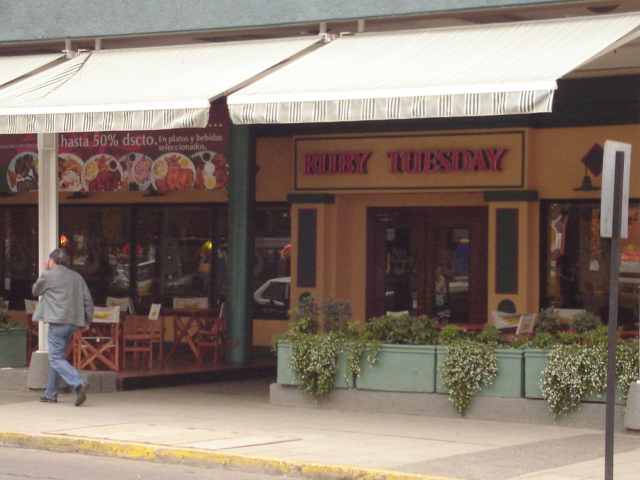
{"x":304,"y":319}
{"x":389,"y":329}
{"x":583,"y":322}
{"x":568,"y":338}
{"x":489,"y":335}
{"x":548,"y":320}
{"x":543,"y":340}
{"x":335,"y":315}
{"x":449,"y":334}
{"x":598,"y":334}
{"x":423,"y":331}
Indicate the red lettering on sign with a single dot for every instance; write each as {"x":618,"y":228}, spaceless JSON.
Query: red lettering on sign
{"x":495,"y":157}
{"x":407,"y":161}
{"x":444,"y":159}
{"x":361,"y":159}
{"x":395,"y":162}
{"x":311,"y":164}
{"x":335,"y":163}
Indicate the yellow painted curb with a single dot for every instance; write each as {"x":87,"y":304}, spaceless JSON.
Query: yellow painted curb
{"x":140,"y":451}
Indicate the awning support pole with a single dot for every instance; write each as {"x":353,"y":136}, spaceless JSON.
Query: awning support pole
{"x":47,"y":207}
{"x":240,"y":253}
{"x":47,"y":241}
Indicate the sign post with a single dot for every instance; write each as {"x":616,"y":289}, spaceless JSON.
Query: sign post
{"x":614,"y":208}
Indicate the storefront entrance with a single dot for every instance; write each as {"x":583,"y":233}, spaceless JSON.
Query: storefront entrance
{"x":430,"y":260}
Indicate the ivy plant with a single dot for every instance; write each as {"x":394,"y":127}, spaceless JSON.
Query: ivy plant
{"x":468,"y":367}
{"x":576,"y":370}
{"x":314,"y":361}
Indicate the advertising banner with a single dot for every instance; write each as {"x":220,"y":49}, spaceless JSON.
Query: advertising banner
{"x":180,"y":159}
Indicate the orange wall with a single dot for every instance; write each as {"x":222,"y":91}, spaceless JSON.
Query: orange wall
{"x":553,"y":168}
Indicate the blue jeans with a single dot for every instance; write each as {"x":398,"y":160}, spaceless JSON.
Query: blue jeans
{"x":59,"y":338}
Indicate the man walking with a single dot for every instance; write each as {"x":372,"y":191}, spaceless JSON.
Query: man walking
{"x":66,"y":305}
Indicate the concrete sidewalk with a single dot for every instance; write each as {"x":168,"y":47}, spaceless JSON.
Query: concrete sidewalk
{"x":233,"y":424}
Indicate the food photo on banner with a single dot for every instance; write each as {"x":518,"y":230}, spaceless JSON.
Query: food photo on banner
{"x":179,"y":159}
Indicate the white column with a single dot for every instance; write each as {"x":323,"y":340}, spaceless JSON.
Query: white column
{"x":47,"y":207}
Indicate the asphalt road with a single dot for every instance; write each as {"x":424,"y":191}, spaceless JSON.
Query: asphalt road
{"x":25,"y":464}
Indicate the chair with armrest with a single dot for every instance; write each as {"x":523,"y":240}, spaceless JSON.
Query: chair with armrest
{"x":100,"y":345}
{"x":212,"y":336}
{"x":141,"y":332}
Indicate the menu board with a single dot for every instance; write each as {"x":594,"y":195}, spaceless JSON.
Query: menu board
{"x":180,"y":159}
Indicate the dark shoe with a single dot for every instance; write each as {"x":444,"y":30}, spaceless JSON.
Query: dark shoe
{"x":81,"y":394}
{"x":48,"y":400}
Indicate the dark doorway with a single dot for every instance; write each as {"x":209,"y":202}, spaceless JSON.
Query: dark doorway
{"x":428,"y":260}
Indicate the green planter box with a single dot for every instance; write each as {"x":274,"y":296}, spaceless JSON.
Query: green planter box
{"x":441,"y":354}
{"x":400,"y":368}
{"x":509,"y":383}
{"x":601,"y":397}
{"x":13,"y":348}
{"x":286,"y":377}
{"x":535,"y":361}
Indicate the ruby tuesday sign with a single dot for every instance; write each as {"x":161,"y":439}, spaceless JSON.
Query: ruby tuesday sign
{"x":406,"y":161}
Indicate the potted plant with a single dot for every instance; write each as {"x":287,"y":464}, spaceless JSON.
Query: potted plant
{"x":13,"y":340}
{"x":449,"y":334}
{"x":583,"y":322}
{"x":401,"y":354}
{"x":316,"y":362}
{"x":509,"y":382}
{"x":548,"y":320}
{"x":578,"y":372}
{"x":468,"y":367}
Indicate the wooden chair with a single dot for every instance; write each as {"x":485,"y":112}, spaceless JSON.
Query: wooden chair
{"x":138,"y":338}
{"x":212,"y":336}
{"x":32,"y":327}
{"x":100,"y":345}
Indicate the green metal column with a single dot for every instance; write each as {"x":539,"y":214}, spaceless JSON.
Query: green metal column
{"x":240,"y":252}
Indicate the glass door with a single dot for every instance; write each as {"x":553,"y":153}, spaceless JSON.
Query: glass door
{"x":428,"y":261}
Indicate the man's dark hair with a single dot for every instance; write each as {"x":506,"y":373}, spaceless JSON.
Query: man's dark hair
{"x":59,"y":256}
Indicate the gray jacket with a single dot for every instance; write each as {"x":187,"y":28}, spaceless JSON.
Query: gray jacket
{"x":65,"y":298}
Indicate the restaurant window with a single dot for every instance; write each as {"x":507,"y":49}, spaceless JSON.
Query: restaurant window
{"x":97,"y":240}
{"x":176,"y":246}
{"x":151,"y":253}
{"x":272,"y":267}
{"x":19,"y":255}
{"x":576,"y":261}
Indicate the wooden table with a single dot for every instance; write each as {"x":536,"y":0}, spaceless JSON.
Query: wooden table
{"x":183,"y":320}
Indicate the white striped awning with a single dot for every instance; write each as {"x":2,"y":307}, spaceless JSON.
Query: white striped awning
{"x":138,"y":89}
{"x":14,"y":67}
{"x":493,"y":69}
